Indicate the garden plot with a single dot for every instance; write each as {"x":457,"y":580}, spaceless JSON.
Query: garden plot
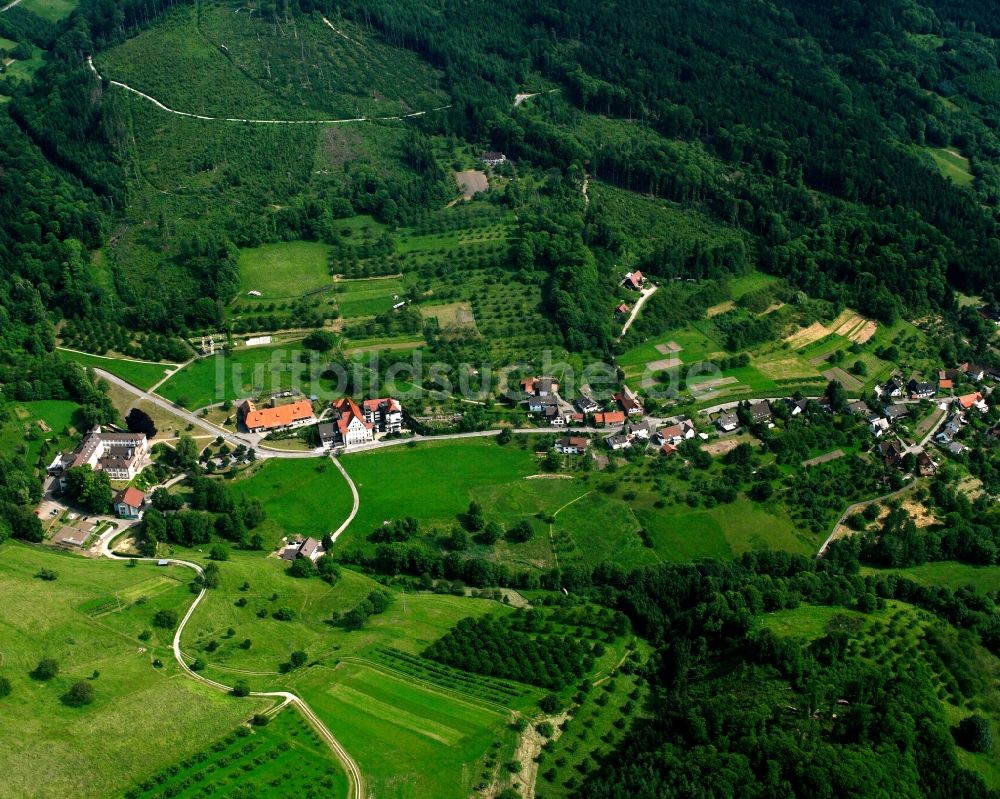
{"x":669,"y":347}
{"x":847,"y":380}
{"x":453,"y":317}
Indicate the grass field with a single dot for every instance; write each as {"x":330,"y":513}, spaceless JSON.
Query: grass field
{"x":300,"y":496}
{"x":144,"y":717}
{"x":52,"y":10}
{"x":243,"y":373}
{"x":368,"y":297}
{"x":285,"y":758}
{"x":953,"y":575}
{"x":138,"y":373}
{"x":440,"y":480}
{"x":429,"y":742}
{"x":22,"y":433}
{"x":952,"y":164}
{"x":284,"y":270}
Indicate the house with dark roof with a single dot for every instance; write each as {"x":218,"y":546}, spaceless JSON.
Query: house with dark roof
{"x":327,"y":434}
{"x":891,"y":389}
{"x":926,"y":465}
{"x":585,"y":404}
{"x":120,"y":454}
{"x":493,"y":158}
{"x":760,"y":412}
{"x":797,"y":406}
{"x":921,"y":390}
{"x":728,"y":422}
{"x":572,"y":445}
{"x":895,"y":411}
{"x":129,"y":503}
{"x":618,"y":441}
{"x":858,"y":407}
{"x":540,"y":386}
{"x":892,"y":452}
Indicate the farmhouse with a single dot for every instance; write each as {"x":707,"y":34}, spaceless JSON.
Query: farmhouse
{"x":492,"y":158}
{"x":634,"y":280}
{"x":310,"y":549}
{"x":572,"y":445}
{"x":728,"y":422}
{"x":352,"y":429}
{"x":118,"y":454}
{"x":628,"y":402}
{"x":921,"y":390}
{"x":386,"y":415}
{"x":608,"y":419}
{"x":129,"y":503}
{"x":280,"y":417}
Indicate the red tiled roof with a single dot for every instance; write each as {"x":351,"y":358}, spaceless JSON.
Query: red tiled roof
{"x":969,"y":400}
{"x":132,"y":497}
{"x":374,"y":404}
{"x":946,"y":382}
{"x":278,"y":417}
{"x":611,"y":417}
{"x":348,"y":410}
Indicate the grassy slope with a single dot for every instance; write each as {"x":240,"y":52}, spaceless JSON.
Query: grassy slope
{"x":143,"y":718}
{"x":283,"y":270}
{"x":137,"y":373}
{"x":306,"y":496}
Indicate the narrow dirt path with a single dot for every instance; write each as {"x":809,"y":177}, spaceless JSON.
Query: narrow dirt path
{"x":646,"y":294}
{"x":354,"y":778}
{"x":163,"y":107}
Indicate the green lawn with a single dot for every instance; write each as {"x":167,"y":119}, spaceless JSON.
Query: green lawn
{"x":285,"y":758}
{"x":21,"y":429}
{"x":284,"y":270}
{"x":806,"y":621}
{"x":301,"y":496}
{"x":144,"y":717}
{"x":368,"y":297}
{"x":433,"y":482}
{"x":243,"y":373}
{"x":138,"y":373}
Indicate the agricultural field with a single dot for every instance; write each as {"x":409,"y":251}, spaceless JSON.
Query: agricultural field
{"x":285,"y":270}
{"x":283,"y":758}
{"x":146,"y":717}
{"x":301,"y":496}
{"x":243,"y":373}
{"x":141,"y":374}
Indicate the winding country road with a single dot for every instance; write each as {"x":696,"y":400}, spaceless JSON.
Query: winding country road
{"x":355,"y":780}
{"x":163,"y":107}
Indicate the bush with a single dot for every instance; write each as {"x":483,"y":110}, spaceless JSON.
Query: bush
{"x":198,"y":665}
{"x":46,"y":669}
{"x":284,"y":614}
{"x":259,"y":720}
{"x":46,"y":574}
{"x":165,"y":619}
{"x":5,"y":687}
{"x":246,"y":643}
{"x":298,"y":659}
{"x":302,"y":567}
{"x":974,"y":734}
{"x":219,"y":552}
{"x":549,"y":703}
{"x":79,"y":694}
{"x":241,"y":689}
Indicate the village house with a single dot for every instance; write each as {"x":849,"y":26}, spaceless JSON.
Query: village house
{"x":275,"y":418}
{"x":129,"y":503}
{"x":891,"y":390}
{"x":618,"y":442}
{"x":728,"y":423}
{"x":878,"y":425}
{"x":491,"y":158}
{"x":70,"y":537}
{"x":553,"y":415}
{"x":622,"y":310}
{"x":895,"y":411}
{"x":585,"y":404}
{"x":628,"y":402}
{"x":926,"y":465}
{"x":309,"y":548}
{"x":974,"y":371}
{"x":668,"y":449}
{"x":120,"y":455}
{"x":921,"y":390}
{"x":858,"y":407}
{"x":892,"y":452}
{"x":957,"y":448}
{"x":634,"y":280}
{"x":609,"y":418}
{"x":951,"y":428}
{"x":539,"y":386}
{"x":572,"y":445}
{"x":635,"y":430}
{"x":675,"y":433}
{"x":760,"y":412}
{"x":947,"y":378}
{"x":385,"y":415}
{"x":352,"y":429}
{"x":969,"y":401}
{"x":327,"y":434}
{"x":796,"y":407}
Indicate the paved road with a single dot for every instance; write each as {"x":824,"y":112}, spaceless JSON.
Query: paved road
{"x":357,"y":501}
{"x":354,"y":778}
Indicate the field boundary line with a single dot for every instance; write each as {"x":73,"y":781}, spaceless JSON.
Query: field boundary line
{"x":461,"y":696}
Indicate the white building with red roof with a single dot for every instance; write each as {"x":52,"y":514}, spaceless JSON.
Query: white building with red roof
{"x":386,"y":415}
{"x":634,"y":280}
{"x":130,"y":503}
{"x":351,"y":427}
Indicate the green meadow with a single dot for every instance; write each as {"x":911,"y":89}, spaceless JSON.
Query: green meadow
{"x":139,"y":373}
{"x":88,"y":619}
{"x":952,"y":164}
{"x":51,"y":10}
{"x":284,"y":270}
{"x":306,"y":496}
